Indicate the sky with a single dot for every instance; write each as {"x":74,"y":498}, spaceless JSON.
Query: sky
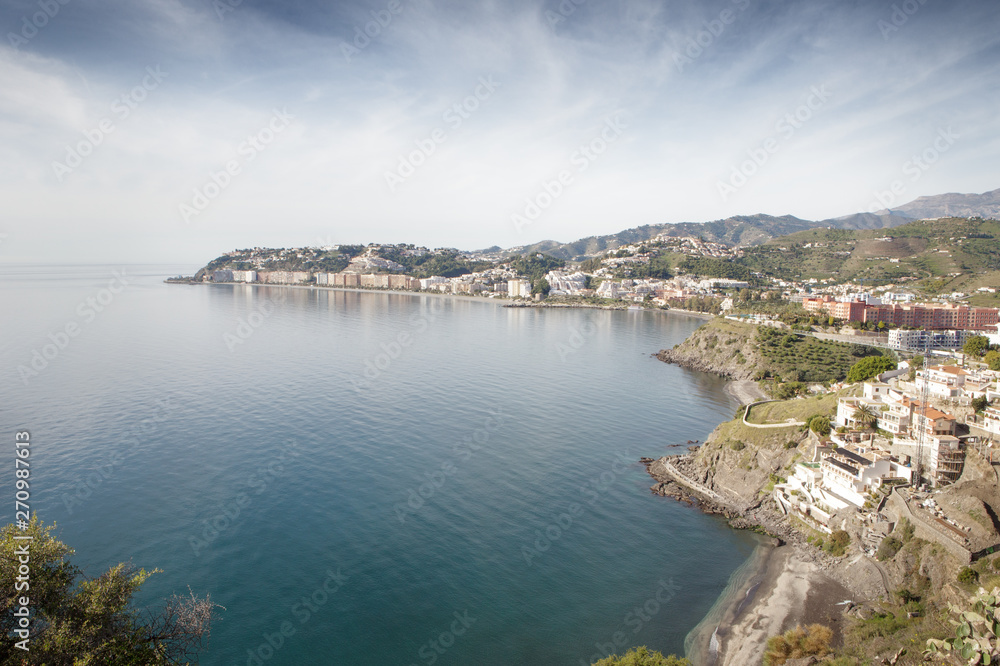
{"x":170,"y":131}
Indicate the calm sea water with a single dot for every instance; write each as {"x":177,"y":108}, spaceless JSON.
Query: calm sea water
{"x":388,"y":479}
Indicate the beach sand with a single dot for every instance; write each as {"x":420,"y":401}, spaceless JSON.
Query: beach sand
{"x":779,"y":589}
{"x":745,"y":391}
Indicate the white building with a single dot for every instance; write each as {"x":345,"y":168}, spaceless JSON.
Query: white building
{"x":244,"y":276}
{"x":923,"y":340}
{"x":519,"y":288}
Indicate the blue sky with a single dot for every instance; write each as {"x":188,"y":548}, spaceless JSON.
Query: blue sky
{"x":170,"y":131}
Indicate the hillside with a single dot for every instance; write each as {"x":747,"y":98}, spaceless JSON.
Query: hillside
{"x":742,"y":230}
{"x":930,"y":249}
{"x":749,"y":230}
{"x":984,"y":205}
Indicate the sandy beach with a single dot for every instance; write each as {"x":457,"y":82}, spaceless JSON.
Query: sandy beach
{"x":778,"y":590}
{"x":745,"y":391}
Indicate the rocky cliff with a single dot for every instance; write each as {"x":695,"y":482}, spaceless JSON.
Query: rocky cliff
{"x":721,"y":346}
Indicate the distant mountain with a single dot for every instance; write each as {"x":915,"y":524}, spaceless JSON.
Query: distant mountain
{"x":986,"y":206}
{"x":750,"y":230}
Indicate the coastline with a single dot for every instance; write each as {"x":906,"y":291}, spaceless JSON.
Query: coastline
{"x":502,"y":302}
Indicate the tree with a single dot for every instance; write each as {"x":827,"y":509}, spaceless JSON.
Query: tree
{"x":979,"y":404}
{"x":865,"y":416}
{"x":976,"y":346}
{"x":992,"y":359}
{"x":540,"y":286}
{"x":820,"y":425}
{"x":641,"y":656}
{"x":915,"y":362}
{"x":76,"y":620}
{"x":869,"y":367}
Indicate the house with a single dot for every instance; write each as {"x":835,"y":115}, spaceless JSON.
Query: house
{"x":846,"y":408}
{"x":943,"y":381}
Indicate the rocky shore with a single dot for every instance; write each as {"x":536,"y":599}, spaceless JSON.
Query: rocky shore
{"x":789,"y":582}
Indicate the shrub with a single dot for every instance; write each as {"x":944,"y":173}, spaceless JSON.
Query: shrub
{"x":838,"y":542}
{"x":791,"y":444}
{"x":737,"y":445}
{"x":641,"y":656}
{"x":888,"y":548}
{"x":799,"y":642}
{"x":968,"y":575}
{"x":819,"y":424}
{"x":869,"y":367}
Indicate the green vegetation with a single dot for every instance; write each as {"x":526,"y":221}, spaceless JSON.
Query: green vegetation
{"x":888,"y":548}
{"x":803,"y":358}
{"x":968,"y":576}
{"x":729,"y":269}
{"x":977,"y":346}
{"x":446,"y":263}
{"x":837,"y":544}
{"x":992,"y":359}
{"x":641,"y":656}
{"x":535,"y":266}
{"x":799,"y":642}
{"x":870,"y":367}
{"x":976,"y":630}
{"x":80,"y":620}
{"x":819,"y":424}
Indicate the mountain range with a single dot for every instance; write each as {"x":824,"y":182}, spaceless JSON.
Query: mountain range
{"x":748,"y":230}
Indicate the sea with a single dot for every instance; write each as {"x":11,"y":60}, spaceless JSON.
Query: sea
{"x":366,"y":478}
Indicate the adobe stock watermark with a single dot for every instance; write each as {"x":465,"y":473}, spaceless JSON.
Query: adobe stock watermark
{"x":379,"y":364}
{"x":225,"y":514}
{"x":87,"y":484}
{"x":121,"y":108}
{"x":463,"y":451}
{"x":247,"y":151}
{"x":580,"y":160}
{"x":303,"y":611}
{"x":454,"y":116}
{"x":898,"y":17}
{"x":381,"y":20}
{"x":432,"y":650}
{"x":87,"y":311}
{"x":40,"y":19}
{"x":565,"y":9}
{"x":914,"y":168}
{"x":223,"y":7}
{"x":704,"y":39}
{"x":577,"y":338}
{"x":785,"y":129}
{"x":635,"y":620}
{"x":595,"y":490}
{"x":246,"y":327}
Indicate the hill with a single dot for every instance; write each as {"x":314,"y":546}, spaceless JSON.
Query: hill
{"x":751,"y":230}
{"x":948,"y":254}
{"x":985,"y":205}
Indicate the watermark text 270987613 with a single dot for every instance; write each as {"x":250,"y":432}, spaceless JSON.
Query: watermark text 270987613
{"x":22,"y":543}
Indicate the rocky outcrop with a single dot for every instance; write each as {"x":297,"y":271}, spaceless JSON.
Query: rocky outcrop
{"x":721,"y":346}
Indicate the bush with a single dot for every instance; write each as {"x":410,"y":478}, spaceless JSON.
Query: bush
{"x":797,"y":643}
{"x":869,"y":367}
{"x":791,"y":444}
{"x":641,"y":656}
{"x":737,"y":445}
{"x":819,"y":424}
{"x":888,"y":548}
{"x":968,"y":575}
{"x":838,"y":542}
{"x":906,"y":530}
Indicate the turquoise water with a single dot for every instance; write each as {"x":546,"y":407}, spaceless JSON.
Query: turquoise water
{"x":390,"y":479}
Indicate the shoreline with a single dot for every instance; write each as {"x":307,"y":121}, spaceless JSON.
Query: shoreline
{"x":784,"y":583}
{"x":502,"y":302}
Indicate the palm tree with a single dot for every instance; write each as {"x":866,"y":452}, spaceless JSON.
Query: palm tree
{"x":865,"y":416}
